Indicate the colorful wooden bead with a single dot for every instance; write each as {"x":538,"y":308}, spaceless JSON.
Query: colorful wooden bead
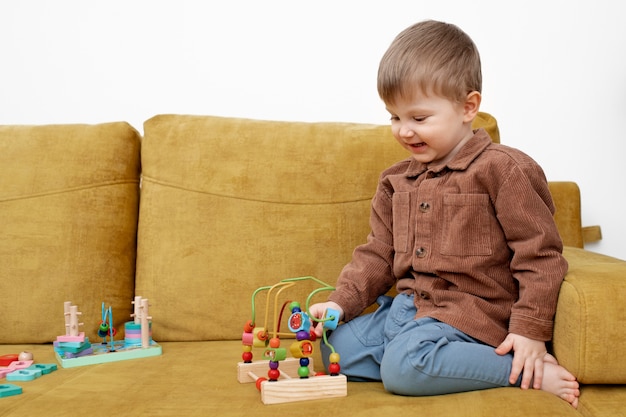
{"x":247,"y":357}
{"x":273,"y":374}
{"x":334,"y":316}
{"x":303,"y":372}
{"x":302,"y":335}
{"x":334,"y":369}
{"x":274,"y":342}
{"x":248,"y":327}
{"x":334,"y":357}
{"x":299,"y":321}
{"x":301,"y":349}
{"x":260,"y":337}
{"x":247,"y":339}
{"x":259,"y":381}
{"x":275,"y":354}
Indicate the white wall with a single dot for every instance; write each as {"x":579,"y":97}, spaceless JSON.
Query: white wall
{"x":554,"y":71}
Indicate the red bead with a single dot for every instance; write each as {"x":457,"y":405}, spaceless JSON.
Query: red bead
{"x":273,"y":374}
{"x":247,"y":357}
{"x":312,"y":335}
{"x":259,"y":381}
{"x":320,"y":374}
{"x":334,"y":369}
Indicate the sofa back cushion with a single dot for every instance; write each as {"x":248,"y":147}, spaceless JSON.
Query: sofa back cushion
{"x":68,"y":204}
{"x":229,"y":205}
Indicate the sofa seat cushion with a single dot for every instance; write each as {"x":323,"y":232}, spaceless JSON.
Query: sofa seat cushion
{"x":200,"y":379}
{"x":603,"y":400}
{"x":69,"y":198}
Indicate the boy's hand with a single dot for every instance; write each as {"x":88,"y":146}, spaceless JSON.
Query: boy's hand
{"x":528,"y":357}
{"x":318,"y":310}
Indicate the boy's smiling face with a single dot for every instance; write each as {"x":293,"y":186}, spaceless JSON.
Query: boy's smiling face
{"x":431,"y":127}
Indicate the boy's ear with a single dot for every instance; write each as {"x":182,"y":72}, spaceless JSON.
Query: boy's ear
{"x":472,"y":105}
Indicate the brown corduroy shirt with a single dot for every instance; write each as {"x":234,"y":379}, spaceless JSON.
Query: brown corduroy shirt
{"x":474,"y":240}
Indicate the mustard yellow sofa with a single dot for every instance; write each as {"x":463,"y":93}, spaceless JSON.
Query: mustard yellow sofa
{"x":194,"y":215}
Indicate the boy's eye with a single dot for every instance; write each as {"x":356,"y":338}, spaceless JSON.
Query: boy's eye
{"x":419,"y":119}
{"x":394,"y":118}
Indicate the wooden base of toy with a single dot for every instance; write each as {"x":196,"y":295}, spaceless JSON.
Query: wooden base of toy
{"x":101,"y":354}
{"x":291,"y":389}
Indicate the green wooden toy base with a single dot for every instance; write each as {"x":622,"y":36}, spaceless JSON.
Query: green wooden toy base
{"x":101,"y":354}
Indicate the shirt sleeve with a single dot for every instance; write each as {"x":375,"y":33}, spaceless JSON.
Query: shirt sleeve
{"x":370,"y":272}
{"x":525,"y":210}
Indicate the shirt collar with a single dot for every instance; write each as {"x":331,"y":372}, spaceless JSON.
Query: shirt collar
{"x":466,"y":155}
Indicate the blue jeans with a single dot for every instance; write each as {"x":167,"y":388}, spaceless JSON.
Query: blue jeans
{"x":415,"y":357}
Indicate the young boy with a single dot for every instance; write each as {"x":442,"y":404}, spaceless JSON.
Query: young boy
{"x":463,"y":229}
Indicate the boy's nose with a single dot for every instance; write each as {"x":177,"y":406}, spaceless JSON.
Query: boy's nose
{"x":406,"y":131}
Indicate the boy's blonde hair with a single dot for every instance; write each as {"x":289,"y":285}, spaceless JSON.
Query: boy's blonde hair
{"x":433,"y":57}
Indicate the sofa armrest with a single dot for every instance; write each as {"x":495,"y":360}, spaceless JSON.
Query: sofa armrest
{"x":589,"y":338}
{"x":592,"y":234}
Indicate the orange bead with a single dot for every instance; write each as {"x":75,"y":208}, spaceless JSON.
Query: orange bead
{"x":248,"y":327}
{"x":274,"y":342}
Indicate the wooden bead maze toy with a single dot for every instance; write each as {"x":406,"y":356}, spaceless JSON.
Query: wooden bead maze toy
{"x":292,"y":378}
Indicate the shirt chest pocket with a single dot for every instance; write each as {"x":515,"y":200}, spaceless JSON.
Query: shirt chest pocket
{"x":466,"y":225}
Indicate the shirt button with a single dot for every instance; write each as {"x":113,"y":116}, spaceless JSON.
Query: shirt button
{"x":420,"y":252}
{"x":424,"y":207}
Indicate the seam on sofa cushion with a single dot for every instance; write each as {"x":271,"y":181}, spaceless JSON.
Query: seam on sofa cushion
{"x":308,"y":203}
{"x":68,"y":190}
{"x":581,"y":357}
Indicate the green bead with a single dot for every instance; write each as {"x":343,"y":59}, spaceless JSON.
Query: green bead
{"x":303,"y":371}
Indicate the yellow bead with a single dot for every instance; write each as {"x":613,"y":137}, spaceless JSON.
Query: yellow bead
{"x":334,"y":357}
{"x":247,"y":348}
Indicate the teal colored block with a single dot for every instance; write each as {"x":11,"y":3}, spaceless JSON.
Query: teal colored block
{"x":24,"y":375}
{"x":45,"y":368}
{"x":7,"y":390}
{"x":331,"y":324}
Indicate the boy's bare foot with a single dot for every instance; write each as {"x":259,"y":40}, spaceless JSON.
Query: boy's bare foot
{"x":559,"y":381}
